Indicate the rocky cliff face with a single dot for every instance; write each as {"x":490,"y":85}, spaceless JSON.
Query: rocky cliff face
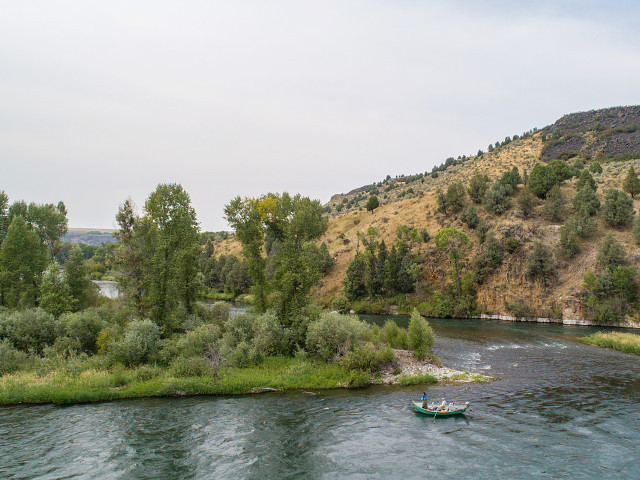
{"x":611,"y":133}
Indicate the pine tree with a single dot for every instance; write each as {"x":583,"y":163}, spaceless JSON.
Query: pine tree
{"x":631,"y":184}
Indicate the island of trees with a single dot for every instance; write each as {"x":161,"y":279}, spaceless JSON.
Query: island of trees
{"x":61,"y":342}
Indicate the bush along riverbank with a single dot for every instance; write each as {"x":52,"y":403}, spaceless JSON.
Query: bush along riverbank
{"x":621,"y":341}
{"x":103,"y":354}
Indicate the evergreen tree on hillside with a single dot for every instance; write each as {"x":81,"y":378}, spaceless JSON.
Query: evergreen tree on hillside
{"x":617,"y":210}
{"x":587,"y":199}
{"x":540,"y":266}
{"x":554,"y":205}
{"x":478,"y":187}
{"x":587,"y":180}
{"x":631,"y":184}
{"x":372,"y":203}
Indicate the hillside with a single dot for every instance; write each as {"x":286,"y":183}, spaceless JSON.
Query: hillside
{"x":89,"y":236}
{"x":608,"y":136}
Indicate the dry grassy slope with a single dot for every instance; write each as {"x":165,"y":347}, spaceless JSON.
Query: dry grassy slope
{"x":508,"y":282}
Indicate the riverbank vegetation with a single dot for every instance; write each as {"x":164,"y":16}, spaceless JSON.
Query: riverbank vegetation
{"x":59,"y":343}
{"x":622,"y":341}
{"x":107,"y":353}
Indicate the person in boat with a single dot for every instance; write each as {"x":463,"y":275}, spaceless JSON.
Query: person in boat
{"x":424,"y":399}
{"x":443,"y":406}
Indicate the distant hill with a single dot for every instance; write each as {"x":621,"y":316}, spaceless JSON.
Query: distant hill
{"x":89,"y":236}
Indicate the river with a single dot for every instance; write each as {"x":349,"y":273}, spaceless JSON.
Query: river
{"x":559,"y":409}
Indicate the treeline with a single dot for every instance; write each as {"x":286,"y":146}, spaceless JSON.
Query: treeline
{"x":158,"y":328}
{"x":29,"y":273}
{"x":380,"y":271}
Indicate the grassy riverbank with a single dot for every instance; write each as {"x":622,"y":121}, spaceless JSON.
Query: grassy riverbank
{"x":624,"y":342}
{"x":77,"y":383}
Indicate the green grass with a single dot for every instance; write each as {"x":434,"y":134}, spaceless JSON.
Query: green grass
{"x":624,"y":342}
{"x":98,"y":384}
{"x":408,"y":380}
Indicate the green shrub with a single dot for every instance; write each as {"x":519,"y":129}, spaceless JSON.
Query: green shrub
{"x":526,"y":202}
{"x":470,"y":217}
{"x":497,"y":199}
{"x":140,"y":341}
{"x":631,"y":183}
{"x":238,"y":328}
{"x":190,"y":367}
{"x":358,"y":378}
{"x":512,"y":244}
{"x":554,"y":205}
{"x":617,"y":210}
{"x":595,"y":167}
{"x":198,"y":341}
{"x":568,"y":245}
{"x":540,"y":266}
{"x":66,"y":346}
{"x":510,"y":180}
{"x":410,"y":380}
{"x":455,"y":197}
{"x":31,"y":330}
{"x":636,"y":230}
{"x":243,"y":355}
{"x":271,"y":337}
{"x":340,"y":304}
{"x":85,"y":327}
{"x":146,"y":372}
{"x":11,"y":359}
{"x":220,"y":312}
{"x":586,"y":180}
{"x":489,"y":259}
{"x":367,"y":358}
{"x":520,"y":309}
{"x":478,"y":187}
{"x":333,"y":334}
{"x":390,"y":332}
{"x":421,"y":336}
{"x":542,"y":179}
{"x":611,"y":253}
{"x":586,"y":199}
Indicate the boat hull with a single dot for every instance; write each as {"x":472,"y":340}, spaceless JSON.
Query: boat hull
{"x":457,"y":410}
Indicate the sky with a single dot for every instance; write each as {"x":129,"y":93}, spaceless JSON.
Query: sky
{"x":102,"y":101}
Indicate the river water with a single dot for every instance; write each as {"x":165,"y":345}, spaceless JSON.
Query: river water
{"x":559,"y":409}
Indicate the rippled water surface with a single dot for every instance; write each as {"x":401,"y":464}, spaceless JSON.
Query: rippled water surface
{"x":559,"y":410}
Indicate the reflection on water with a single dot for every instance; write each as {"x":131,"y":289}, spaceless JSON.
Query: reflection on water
{"x":560,"y":409}
{"x":107,"y":288}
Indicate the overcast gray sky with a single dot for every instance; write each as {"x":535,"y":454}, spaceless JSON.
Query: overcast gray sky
{"x":100,"y":101}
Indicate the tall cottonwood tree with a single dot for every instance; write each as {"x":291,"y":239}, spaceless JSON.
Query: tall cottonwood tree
{"x":23,"y":259}
{"x":172,"y":230}
{"x":158,"y":255}
{"x":75,"y":276}
{"x":4,"y":214}
{"x":129,"y":256}
{"x":49,"y":221}
{"x":291,"y":224}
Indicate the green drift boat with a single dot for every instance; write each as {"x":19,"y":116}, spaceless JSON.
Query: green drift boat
{"x":436,"y":410}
